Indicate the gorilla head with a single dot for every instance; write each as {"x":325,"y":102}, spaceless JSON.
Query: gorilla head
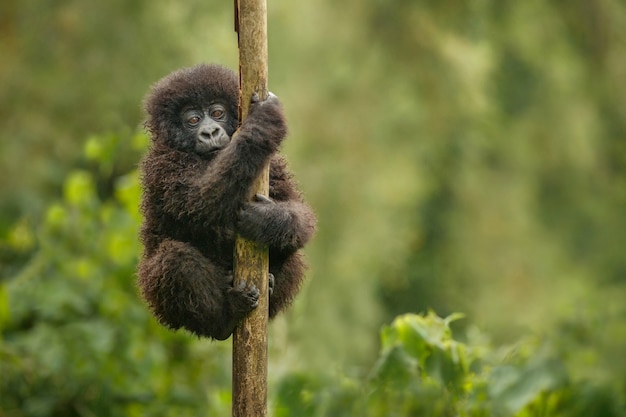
{"x":194,"y":109}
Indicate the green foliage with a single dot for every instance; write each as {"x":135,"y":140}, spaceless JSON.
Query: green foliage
{"x":79,"y":68}
{"x":75,"y":340}
{"x":423,"y":371}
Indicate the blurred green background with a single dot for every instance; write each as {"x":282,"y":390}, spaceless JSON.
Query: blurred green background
{"x":461,"y":157}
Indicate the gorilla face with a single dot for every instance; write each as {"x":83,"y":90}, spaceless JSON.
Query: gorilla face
{"x":194,"y":109}
{"x":207,"y":129}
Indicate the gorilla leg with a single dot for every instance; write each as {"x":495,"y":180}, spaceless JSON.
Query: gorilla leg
{"x":288,"y":276}
{"x":184,"y":289}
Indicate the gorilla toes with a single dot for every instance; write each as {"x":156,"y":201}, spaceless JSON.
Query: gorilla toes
{"x":243,"y":298}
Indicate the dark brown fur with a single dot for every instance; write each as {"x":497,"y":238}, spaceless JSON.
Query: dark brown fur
{"x":194,"y":204}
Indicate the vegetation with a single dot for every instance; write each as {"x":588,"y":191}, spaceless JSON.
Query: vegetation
{"x":461,"y":158}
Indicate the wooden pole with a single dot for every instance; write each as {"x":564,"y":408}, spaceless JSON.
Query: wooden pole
{"x":251,"y":260}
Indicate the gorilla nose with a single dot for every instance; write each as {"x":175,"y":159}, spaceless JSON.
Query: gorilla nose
{"x":209,"y":133}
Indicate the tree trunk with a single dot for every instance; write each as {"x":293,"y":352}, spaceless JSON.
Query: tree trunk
{"x":251,"y":260}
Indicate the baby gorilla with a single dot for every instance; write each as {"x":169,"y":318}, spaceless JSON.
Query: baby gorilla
{"x":197,"y":178}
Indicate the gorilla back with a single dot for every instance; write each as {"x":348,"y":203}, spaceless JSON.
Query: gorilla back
{"x":196,"y":180}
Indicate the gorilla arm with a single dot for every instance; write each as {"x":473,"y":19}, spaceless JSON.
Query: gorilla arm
{"x":284,"y":221}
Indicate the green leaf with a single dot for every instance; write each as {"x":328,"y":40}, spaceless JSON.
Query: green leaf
{"x":79,"y":189}
{"x":5,"y":313}
{"x":394,"y":366}
{"x":513,"y":388}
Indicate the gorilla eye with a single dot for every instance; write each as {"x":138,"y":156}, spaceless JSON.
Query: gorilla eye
{"x":191,"y":117}
{"x":217,"y":113}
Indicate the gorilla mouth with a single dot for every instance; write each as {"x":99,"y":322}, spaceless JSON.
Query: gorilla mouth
{"x":215,"y":142}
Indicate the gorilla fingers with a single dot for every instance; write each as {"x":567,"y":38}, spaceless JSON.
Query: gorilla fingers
{"x":265,"y":124}
{"x":281,"y":225}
